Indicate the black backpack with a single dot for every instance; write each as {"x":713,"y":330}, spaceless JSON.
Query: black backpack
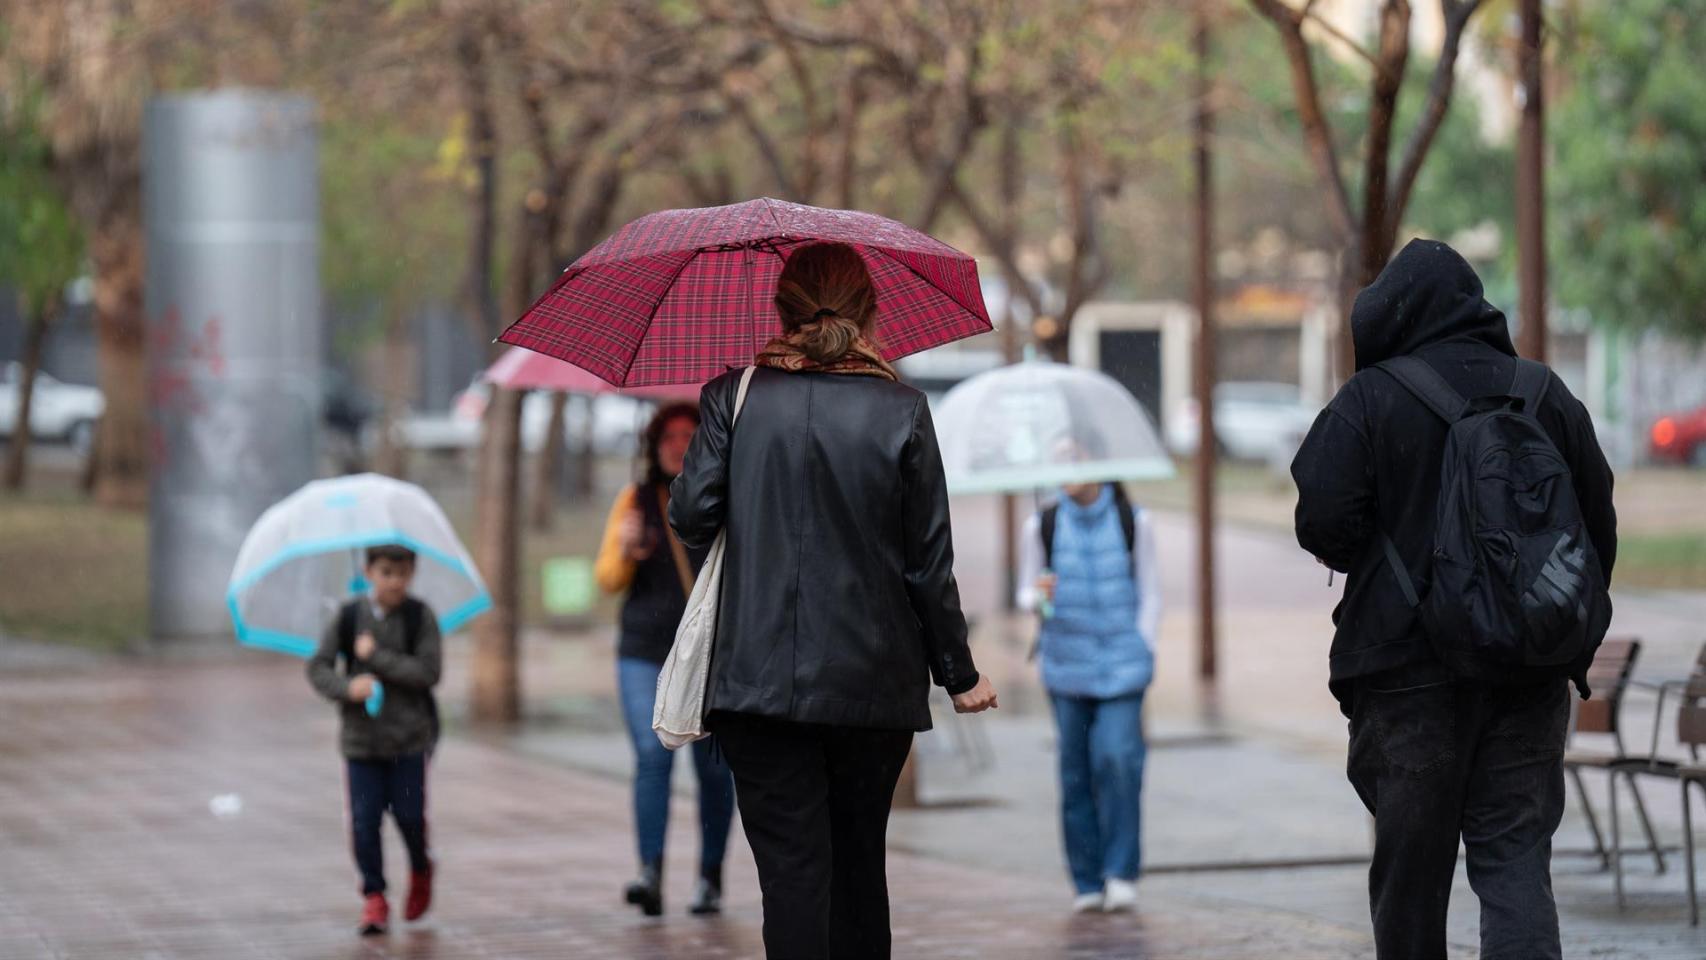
{"x":413,"y":613}
{"x":1518,"y":593}
{"x":1128,"y":526}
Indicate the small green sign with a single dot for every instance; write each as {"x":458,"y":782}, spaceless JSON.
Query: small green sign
{"x":569,"y":588}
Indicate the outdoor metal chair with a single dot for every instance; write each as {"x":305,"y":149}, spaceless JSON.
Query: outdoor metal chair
{"x":1609,"y":679}
{"x":1691,"y":733}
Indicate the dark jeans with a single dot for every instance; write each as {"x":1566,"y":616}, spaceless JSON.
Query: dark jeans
{"x":815,"y":802}
{"x":654,"y":765}
{"x":398,"y":785}
{"x":1436,"y":759}
{"x":1101,"y":787}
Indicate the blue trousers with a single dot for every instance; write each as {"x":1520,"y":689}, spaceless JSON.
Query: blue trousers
{"x":1101,"y":784}
{"x":637,"y":681}
{"x":398,"y":785}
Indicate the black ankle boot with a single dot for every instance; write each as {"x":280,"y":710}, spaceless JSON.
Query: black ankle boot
{"x":708,"y":896}
{"x":647,"y":892}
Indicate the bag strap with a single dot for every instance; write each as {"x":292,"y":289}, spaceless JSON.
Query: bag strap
{"x":683,"y":566}
{"x":740,"y":395}
{"x":1051,"y":515}
{"x":1530,"y":384}
{"x":346,"y":634}
{"x":1128,"y":519}
{"x":1402,"y":572}
{"x":1422,"y":380}
{"x":413,"y":616}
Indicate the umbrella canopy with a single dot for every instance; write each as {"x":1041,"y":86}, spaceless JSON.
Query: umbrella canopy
{"x":1039,"y":424}
{"x":522,"y":369}
{"x":303,"y":559}
{"x":680,"y":296}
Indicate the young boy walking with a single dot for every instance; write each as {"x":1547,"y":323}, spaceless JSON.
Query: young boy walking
{"x":388,"y":637}
{"x":1088,"y":566}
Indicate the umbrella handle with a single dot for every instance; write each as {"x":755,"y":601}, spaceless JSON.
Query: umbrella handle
{"x":376,"y":699}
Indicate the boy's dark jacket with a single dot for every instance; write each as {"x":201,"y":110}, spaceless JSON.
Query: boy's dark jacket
{"x":407,"y":721}
{"x":1371,"y":462}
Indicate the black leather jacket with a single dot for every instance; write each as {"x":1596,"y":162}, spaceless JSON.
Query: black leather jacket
{"x":839,"y":601}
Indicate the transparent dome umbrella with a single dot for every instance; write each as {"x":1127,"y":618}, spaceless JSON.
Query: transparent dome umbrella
{"x":1039,"y":424}
{"x":305,"y":558}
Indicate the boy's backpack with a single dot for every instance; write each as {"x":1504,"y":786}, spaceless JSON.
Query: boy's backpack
{"x":1128,"y":526}
{"x":413,"y":613}
{"x":1518,"y":593}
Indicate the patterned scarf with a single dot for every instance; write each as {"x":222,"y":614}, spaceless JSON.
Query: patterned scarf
{"x":862,"y":360}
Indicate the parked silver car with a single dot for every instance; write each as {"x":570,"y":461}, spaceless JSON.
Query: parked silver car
{"x":59,"y":411}
{"x":1252,"y":421}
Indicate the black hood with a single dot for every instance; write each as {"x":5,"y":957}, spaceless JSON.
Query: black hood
{"x":1428,"y":294}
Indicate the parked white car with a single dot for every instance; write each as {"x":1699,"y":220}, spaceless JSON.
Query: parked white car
{"x":1252,"y":420}
{"x":59,"y":411}
{"x":616,"y":422}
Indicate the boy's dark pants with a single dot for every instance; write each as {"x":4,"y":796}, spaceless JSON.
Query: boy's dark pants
{"x":398,"y":785}
{"x":1435,"y":759}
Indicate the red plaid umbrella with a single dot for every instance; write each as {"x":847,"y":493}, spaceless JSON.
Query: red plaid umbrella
{"x":680,"y":296}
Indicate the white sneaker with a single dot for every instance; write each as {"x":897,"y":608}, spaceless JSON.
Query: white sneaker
{"x":1087,"y":903}
{"x":1119,"y":896}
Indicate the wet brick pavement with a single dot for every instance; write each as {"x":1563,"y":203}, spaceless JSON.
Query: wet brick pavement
{"x":109,"y":848}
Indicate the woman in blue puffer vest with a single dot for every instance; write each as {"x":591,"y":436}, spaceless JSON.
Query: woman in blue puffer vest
{"x":1088,"y":565}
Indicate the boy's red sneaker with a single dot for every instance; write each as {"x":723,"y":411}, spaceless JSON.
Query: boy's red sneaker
{"x":375,"y":913}
{"x":420,"y":895}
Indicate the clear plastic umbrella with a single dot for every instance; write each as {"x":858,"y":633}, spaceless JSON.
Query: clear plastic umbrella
{"x":1040,"y":424}
{"x":303,"y":559}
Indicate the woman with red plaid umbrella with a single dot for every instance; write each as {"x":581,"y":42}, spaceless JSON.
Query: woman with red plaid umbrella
{"x":839,"y":604}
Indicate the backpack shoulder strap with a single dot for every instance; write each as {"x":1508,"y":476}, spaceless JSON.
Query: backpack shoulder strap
{"x":1128,"y":516}
{"x":346,"y":631}
{"x":1051,"y":514}
{"x":1421,"y":379}
{"x":413,"y":615}
{"x":1530,"y":384}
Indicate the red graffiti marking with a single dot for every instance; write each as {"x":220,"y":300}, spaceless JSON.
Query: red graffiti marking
{"x":181,"y":359}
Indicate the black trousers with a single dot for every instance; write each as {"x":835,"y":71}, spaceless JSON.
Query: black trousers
{"x":398,"y":785}
{"x":1437,"y":759}
{"x":814,"y":801}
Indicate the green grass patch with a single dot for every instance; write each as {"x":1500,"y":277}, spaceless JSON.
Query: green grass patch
{"x":1675,"y":561}
{"x":73,"y":573}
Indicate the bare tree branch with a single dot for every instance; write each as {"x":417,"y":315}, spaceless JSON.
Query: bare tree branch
{"x":1382,"y":113}
{"x":1457,"y":14}
{"x":1318,"y":134}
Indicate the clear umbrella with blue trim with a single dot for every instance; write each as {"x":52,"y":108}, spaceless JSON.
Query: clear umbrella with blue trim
{"x":304,"y":559}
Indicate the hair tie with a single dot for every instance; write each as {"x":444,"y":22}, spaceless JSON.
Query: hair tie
{"x":824,"y":313}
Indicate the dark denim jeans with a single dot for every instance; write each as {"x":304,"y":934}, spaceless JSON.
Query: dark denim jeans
{"x":398,"y":785}
{"x":1437,"y":759}
{"x":1101,"y":787}
{"x":654,"y":765}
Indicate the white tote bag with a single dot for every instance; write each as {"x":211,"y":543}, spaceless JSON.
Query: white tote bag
{"x":678,"y":717}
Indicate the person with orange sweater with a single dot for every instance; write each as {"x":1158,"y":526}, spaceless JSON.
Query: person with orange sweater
{"x":642,"y":560}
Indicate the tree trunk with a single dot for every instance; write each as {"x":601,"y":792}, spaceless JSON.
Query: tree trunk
{"x":496,"y":692}
{"x":1531,"y":187}
{"x":35,"y":341}
{"x":586,"y":458}
{"x":121,"y":451}
{"x":1206,"y":367}
{"x":548,"y":467}
{"x":393,"y":455}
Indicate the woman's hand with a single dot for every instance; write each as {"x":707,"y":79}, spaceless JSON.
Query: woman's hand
{"x":977,"y":699}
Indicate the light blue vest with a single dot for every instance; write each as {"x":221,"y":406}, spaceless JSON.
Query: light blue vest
{"x":1091,"y":646}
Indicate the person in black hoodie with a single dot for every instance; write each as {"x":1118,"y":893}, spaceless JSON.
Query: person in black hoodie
{"x":1433,"y":756}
